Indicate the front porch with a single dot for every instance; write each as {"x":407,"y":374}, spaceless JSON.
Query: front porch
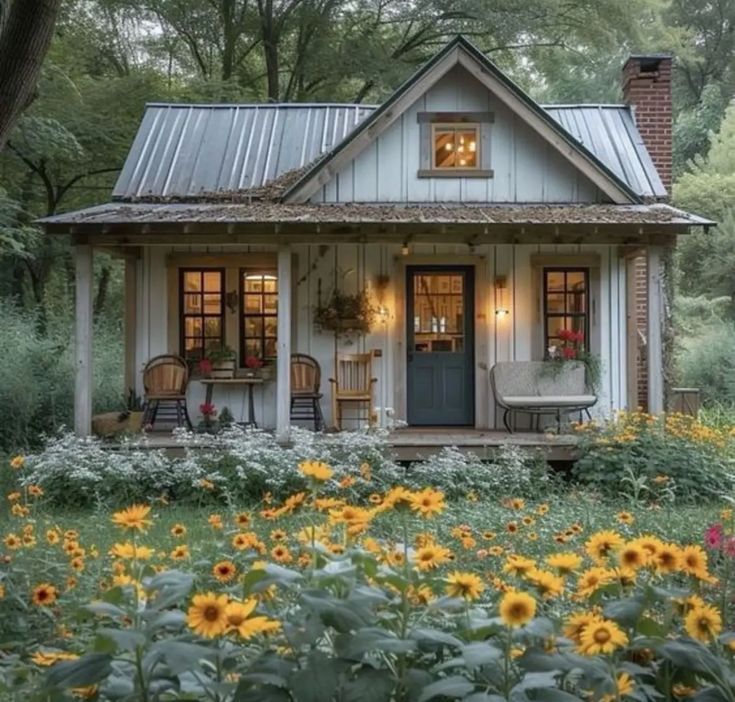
{"x":413,"y":444}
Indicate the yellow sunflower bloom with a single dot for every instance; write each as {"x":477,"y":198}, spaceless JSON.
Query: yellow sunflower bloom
{"x":133,"y":518}
{"x":178,"y":530}
{"x":564,"y":563}
{"x":601,"y":544}
{"x":224,"y":571}
{"x":316,"y":470}
{"x":601,"y":636}
{"x":624,"y":686}
{"x":465,"y":585}
{"x":180,"y":553}
{"x":428,"y":502}
{"x":430,"y":556}
{"x":592,"y":580}
{"x":517,"y":608}
{"x":694,"y":562}
{"x":576,"y":623}
{"x":207,"y":615}
{"x":703,"y":623}
{"x":44,"y":595}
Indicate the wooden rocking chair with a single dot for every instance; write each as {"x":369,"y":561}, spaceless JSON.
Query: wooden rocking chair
{"x":164,"y":381}
{"x":353,"y":386}
{"x":306,"y":376}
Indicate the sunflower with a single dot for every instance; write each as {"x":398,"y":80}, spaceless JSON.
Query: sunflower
{"x":703,"y":623}
{"x":215,"y":521}
{"x":576,"y":624}
{"x":694,"y":562}
{"x":278,"y":535}
{"x":52,"y":536}
{"x":46,"y":659}
{"x":592,"y":580}
{"x":44,"y":595}
{"x":178,"y":530}
{"x":77,"y":564}
{"x":517,"y":608}
{"x":488,"y":535}
{"x":35,"y":490}
{"x":625,"y":518}
{"x":207,"y":614}
{"x":245,"y":540}
{"x":624,"y":686}
{"x":511,"y":527}
{"x":133,"y":518}
{"x":243,"y":519}
{"x":495,"y":551}
{"x":375,"y":498}
{"x":548,"y":585}
{"x":564,"y":563}
{"x":518,"y":565}
{"x":650,"y":544}
{"x":237,"y":614}
{"x":316,"y":470}
{"x":14,"y":496}
{"x":397,"y":498}
{"x":516,"y":503}
{"x":601,"y":636}
{"x":632,"y":556}
{"x":421,"y":595}
{"x":17,"y":462}
{"x":601,"y":544}
{"x":224,"y":571}
{"x":281,"y":554}
{"x":351,"y":516}
{"x":13,"y":541}
{"x":465,"y":585}
{"x":430,"y":556}
{"x":528,"y":521}
{"x":542,"y":509}
{"x":668,"y":558}
{"x":427,"y":502}
{"x":180,"y":553}
{"x":128,"y":551}
{"x":336,"y":549}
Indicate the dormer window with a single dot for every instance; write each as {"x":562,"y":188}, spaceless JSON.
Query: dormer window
{"x":456,"y":146}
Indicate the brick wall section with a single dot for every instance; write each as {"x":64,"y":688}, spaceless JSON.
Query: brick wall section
{"x":647,"y":88}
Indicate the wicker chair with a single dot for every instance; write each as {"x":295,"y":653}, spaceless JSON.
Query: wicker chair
{"x":306,"y":378}
{"x":164,"y":381}
{"x":353,"y":386}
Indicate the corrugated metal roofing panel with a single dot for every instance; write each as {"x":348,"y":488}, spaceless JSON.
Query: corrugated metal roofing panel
{"x":609,"y":131}
{"x":187,"y":150}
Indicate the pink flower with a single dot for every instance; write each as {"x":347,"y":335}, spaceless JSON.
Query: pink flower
{"x":713,"y":536}
{"x":205,"y":366}
{"x":207,"y":409}
{"x":569,"y":352}
{"x":566,"y":335}
{"x":728,"y":547}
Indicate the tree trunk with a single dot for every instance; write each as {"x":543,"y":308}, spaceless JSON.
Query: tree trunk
{"x":229,"y":38}
{"x":24,"y":41}
{"x":270,"y":47}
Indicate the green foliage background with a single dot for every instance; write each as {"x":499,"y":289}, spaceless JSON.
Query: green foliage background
{"x":110,"y":57}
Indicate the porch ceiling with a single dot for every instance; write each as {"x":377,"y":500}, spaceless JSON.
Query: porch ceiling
{"x":141,"y":223}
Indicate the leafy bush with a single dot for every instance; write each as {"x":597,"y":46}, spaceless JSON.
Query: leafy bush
{"x":672,"y":457}
{"x":37,"y":374}
{"x":243,"y":465}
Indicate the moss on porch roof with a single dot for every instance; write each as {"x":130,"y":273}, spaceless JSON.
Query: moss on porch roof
{"x":262,"y":211}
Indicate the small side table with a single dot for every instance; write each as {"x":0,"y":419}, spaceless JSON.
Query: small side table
{"x":248,"y":383}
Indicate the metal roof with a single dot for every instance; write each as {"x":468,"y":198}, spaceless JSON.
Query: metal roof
{"x":186,"y":151}
{"x":189,"y":150}
{"x":609,"y":131}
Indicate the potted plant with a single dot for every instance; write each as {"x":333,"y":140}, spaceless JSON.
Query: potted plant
{"x":345,"y":314}
{"x":209,"y":423}
{"x":222,"y":360}
{"x":572,"y":351}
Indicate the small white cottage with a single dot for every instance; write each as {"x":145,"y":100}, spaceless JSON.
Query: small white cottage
{"x":479,"y":225}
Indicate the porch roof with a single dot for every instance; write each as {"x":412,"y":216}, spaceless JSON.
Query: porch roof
{"x":141,"y":222}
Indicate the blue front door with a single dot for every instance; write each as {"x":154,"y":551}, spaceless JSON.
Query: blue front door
{"x":440,"y":334}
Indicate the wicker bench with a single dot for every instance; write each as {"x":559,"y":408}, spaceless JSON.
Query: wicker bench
{"x":529,"y":387}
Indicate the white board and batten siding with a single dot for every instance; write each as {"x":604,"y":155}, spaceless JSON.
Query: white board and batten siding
{"x":517,"y":337}
{"x":525,"y":168}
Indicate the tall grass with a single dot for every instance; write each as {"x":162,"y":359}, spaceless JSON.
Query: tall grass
{"x":37,"y":373}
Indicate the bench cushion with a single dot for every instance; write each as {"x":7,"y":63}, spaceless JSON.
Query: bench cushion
{"x":550,"y":401}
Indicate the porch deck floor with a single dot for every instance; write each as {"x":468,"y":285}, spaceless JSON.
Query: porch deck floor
{"x":415,"y":443}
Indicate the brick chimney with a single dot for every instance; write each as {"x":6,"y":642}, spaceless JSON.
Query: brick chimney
{"x":647,"y":88}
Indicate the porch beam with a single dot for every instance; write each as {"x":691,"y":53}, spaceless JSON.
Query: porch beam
{"x":83,"y":259}
{"x":283,"y":362}
{"x":655,"y":320}
{"x":129,"y":322}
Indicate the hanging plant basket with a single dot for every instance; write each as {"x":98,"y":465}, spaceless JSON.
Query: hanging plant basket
{"x":344,"y":314}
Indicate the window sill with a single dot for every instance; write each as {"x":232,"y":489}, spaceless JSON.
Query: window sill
{"x":455,"y":173}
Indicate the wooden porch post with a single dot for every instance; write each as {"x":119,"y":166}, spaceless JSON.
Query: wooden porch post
{"x":129,"y":323}
{"x":283,"y":364}
{"x":83,"y":341}
{"x":655,"y":320}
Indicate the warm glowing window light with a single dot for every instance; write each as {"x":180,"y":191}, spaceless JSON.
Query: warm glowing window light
{"x":455,"y":145}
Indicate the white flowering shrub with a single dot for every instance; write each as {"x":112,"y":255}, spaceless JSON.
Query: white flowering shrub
{"x":244,"y":465}
{"x":509,"y":471}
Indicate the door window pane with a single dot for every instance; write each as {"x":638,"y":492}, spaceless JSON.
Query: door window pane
{"x":438,"y":313}
{"x":201,"y":311}
{"x":566,"y":306}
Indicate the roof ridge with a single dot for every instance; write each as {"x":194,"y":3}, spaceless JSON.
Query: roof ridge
{"x":260,"y":104}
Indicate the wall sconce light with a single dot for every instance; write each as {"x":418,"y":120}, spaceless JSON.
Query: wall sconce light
{"x":383,"y":313}
{"x":501,"y":306}
{"x":231,"y":301}
{"x":404,"y":249}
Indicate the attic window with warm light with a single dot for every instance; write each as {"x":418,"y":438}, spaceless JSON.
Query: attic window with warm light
{"x":455,"y":146}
